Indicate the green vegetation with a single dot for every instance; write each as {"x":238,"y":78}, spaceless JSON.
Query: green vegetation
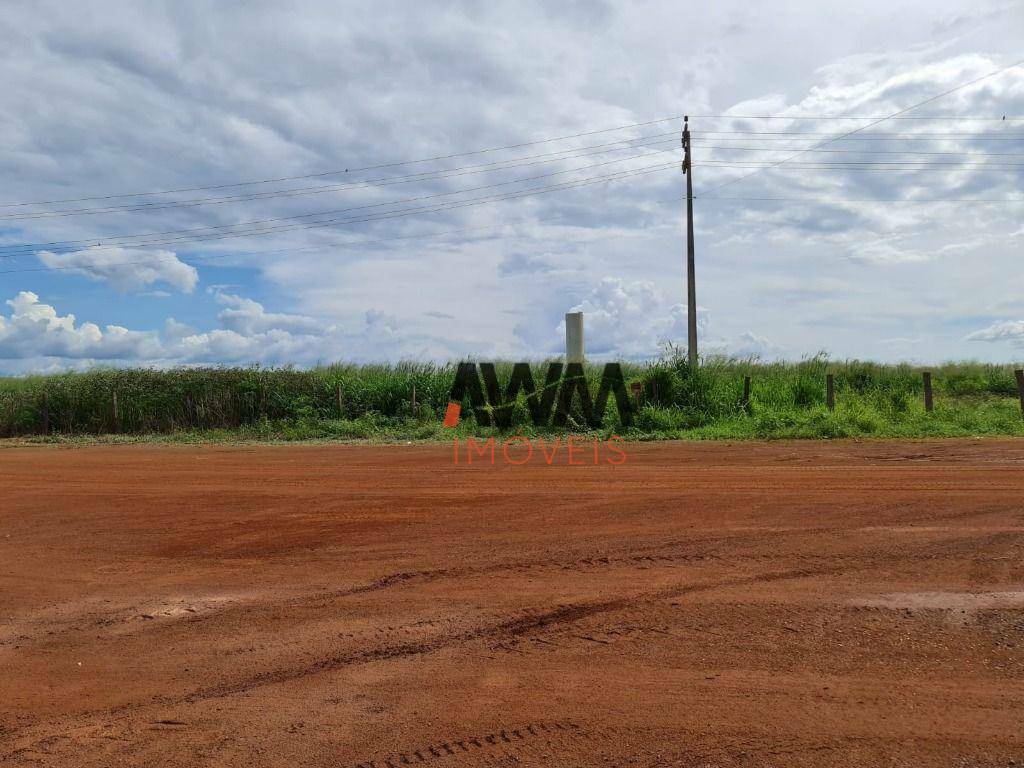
{"x":375,"y":402}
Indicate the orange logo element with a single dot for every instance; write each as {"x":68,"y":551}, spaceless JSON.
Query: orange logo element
{"x":451,"y":416}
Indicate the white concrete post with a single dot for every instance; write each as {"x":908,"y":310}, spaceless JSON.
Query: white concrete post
{"x":574,"y":337}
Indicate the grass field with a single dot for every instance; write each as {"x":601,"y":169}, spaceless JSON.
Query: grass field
{"x":376,"y":402}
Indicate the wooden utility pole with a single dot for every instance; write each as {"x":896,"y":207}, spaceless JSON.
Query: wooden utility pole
{"x":691,"y":287}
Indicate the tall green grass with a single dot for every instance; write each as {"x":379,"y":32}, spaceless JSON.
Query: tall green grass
{"x":787,"y":400}
{"x":678,"y":400}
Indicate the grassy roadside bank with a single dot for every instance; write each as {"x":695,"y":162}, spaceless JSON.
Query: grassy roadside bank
{"x":407,"y":402}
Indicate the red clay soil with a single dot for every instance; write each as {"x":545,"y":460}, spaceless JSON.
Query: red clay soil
{"x":811,"y":604}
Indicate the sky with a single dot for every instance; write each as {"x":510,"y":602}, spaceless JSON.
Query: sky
{"x":442,"y":181}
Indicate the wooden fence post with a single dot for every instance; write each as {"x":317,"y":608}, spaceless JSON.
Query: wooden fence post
{"x":746,"y":393}
{"x":1020,"y":386}
{"x":46,"y":415}
{"x":117,"y":415}
{"x":830,"y":391}
{"x":341,"y":404}
{"x":415,"y":410}
{"x":928,"y":401}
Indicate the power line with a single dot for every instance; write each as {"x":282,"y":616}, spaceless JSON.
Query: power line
{"x":451,"y":205}
{"x":874,"y":135}
{"x":321,"y":174}
{"x":406,"y":212}
{"x":436,"y":158}
{"x":332,"y":212}
{"x":393,"y":214}
{"x":859,"y":166}
{"x":874,"y":122}
{"x":434,"y":235}
{"x":830,"y":161}
{"x":992,"y":118}
{"x":868,"y":151}
{"x":365,"y":241}
{"x":641,"y":141}
{"x":379,"y":182}
{"x":831,"y":199}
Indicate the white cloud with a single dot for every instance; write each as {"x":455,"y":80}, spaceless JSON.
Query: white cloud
{"x":631,"y":320}
{"x":747,"y":344}
{"x":623,"y":320}
{"x":1010,"y":331}
{"x":36,"y":338}
{"x":248,"y":318}
{"x":636,"y":321}
{"x":126,"y":269}
{"x":34,"y":329}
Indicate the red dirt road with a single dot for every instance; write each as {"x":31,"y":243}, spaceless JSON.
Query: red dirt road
{"x":812,"y":604}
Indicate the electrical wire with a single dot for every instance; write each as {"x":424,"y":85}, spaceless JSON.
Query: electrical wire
{"x":887,"y":200}
{"x":446,"y":233}
{"x":328,"y":246}
{"x":894,"y":116}
{"x":333,"y":211}
{"x":380,"y":182}
{"x":868,"y":151}
{"x":838,"y":165}
{"x":447,"y":173}
{"x":872,"y":135}
{"x":187,"y":236}
{"x":321,"y":174}
{"x":642,"y":141}
{"x":897,"y":116}
{"x":519,"y":145}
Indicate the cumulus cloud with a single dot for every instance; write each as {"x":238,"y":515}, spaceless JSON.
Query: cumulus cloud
{"x":126,"y":269}
{"x":35,"y":337}
{"x":629,"y":319}
{"x":34,"y":329}
{"x":635,"y":320}
{"x":381,"y":321}
{"x":747,"y":344}
{"x":1011,"y":331}
{"x":248,"y":318}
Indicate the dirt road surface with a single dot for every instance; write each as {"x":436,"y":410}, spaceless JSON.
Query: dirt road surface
{"x":811,"y":604}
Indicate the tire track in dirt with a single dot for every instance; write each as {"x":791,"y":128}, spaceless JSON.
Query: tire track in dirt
{"x":707,"y":549}
{"x":510,"y":628}
{"x":508,"y":741}
{"x":204,"y":609}
{"x":538,"y":621}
